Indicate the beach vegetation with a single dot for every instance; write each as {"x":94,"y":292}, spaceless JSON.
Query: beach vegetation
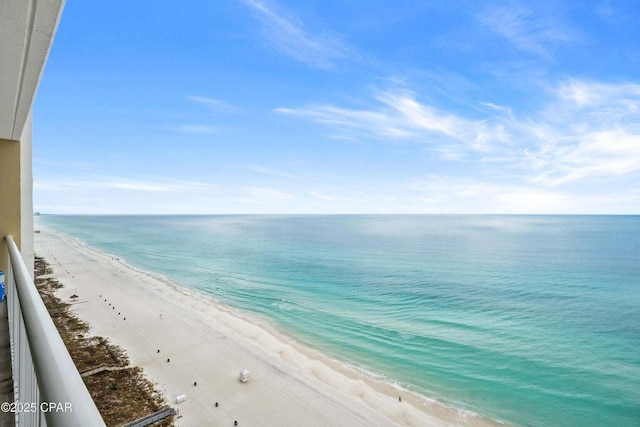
{"x":121,"y":392}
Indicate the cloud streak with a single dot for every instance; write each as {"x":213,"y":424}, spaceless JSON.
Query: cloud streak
{"x":590,"y":129}
{"x":215,"y":105}
{"x":439,"y":194}
{"x":586,"y":130}
{"x":288,"y":36}
{"x":400,"y":116}
{"x":527,"y":30}
{"x":124,"y":184}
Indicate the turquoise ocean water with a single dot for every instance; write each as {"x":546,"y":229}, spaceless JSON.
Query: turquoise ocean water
{"x":531,"y":320}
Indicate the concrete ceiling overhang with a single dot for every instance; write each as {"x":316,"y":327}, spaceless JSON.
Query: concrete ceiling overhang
{"x":27,"y":28}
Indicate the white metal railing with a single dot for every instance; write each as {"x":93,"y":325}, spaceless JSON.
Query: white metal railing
{"x":48,"y":389}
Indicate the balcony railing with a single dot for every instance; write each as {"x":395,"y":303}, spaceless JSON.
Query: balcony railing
{"x":48,"y":389}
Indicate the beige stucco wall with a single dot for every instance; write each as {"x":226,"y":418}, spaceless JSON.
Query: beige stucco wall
{"x":16,"y":196}
{"x":26,"y":196}
{"x":10,"y":199}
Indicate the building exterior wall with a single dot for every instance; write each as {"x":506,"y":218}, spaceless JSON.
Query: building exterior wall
{"x":27,"y":28}
{"x":10,"y":197}
{"x":26,"y":197}
{"x":16,"y":196}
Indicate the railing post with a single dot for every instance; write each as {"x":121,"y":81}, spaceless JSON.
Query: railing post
{"x":43,"y":370}
{"x":25,"y":386}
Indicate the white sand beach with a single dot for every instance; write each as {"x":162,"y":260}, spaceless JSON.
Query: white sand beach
{"x":202,"y":340}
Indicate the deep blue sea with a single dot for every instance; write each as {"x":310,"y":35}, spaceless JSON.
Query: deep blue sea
{"x":531,"y":320}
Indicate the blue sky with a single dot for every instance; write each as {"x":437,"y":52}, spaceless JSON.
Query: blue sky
{"x":280,"y":106}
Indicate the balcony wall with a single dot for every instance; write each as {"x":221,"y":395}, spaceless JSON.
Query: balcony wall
{"x":27,"y":28}
{"x":16,"y":195}
{"x":10,"y":195}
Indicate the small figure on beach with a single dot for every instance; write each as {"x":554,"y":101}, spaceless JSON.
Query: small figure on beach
{"x":399,"y":398}
{"x":160,"y":316}
{"x":235,"y":423}
{"x":168,"y":360}
{"x":158,"y":351}
{"x":195,"y":383}
{"x":216,"y":404}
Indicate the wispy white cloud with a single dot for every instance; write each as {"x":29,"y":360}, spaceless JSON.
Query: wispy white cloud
{"x":528,"y":30}
{"x":613,"y":12}
{"x":93,"y":194}
{"x":602,"y":96}
{"x":586,"y":130}
{"x":113,"y":194}
{"x":322,"y":196}
{"x":375,"y":122}
{"x":432,"y":194}
{"x":590,"y":129}
{"x":476,"y":135}
{"x":118,"y":183}
{"x":287,"y":34}
{"x":596,"y":154}
{"x":462,"y":194}
{"x":493,"y":106}
{"x":213,"y":104}
{"x":400,"y":116}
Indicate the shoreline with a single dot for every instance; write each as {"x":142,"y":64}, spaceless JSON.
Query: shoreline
{"x":208,"y":342}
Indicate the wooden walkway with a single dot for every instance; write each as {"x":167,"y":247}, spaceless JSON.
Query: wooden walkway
{"x":102,"y":369}
{"x":152,"y":418}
